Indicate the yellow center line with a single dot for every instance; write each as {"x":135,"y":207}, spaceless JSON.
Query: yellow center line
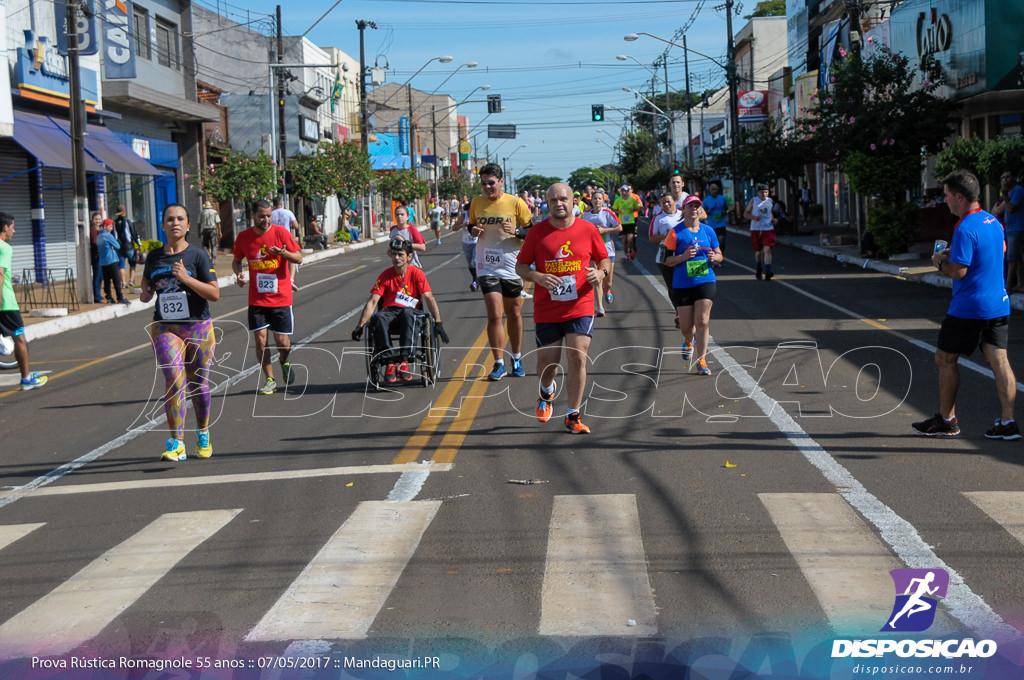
{"x":456,"y":434}
{"x":147,"y":345}
{"x":434,"y":418}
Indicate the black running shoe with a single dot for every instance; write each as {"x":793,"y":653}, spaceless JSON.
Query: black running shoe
{"x":1008,"y":431}
{"x":936,"y":426}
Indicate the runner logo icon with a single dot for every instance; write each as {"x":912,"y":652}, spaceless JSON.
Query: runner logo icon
{"x":918,"y":592}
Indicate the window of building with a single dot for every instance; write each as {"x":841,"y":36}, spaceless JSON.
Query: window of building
{"x":141,"y":25}
{"x":167,"y":44}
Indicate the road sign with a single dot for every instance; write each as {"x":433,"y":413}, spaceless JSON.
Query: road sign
{"x":501,"y":131}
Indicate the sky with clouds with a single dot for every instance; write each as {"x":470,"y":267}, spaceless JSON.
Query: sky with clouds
{"x":549,"y":60}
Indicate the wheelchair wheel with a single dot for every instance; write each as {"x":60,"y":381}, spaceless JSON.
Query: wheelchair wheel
{"x":373,"y":367}
{"x":426,"y":351}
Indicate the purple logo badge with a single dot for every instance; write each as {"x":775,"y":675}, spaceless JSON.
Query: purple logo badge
{"x":918,"y":592}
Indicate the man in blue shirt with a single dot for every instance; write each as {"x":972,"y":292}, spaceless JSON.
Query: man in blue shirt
{"x":716,"y":206}
{"x":979,"y":313}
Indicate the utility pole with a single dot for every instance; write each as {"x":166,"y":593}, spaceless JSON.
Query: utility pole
{"x":668,"y":112}
{"x":365,"y":213}
{"x":363,"y":119}
{"x":734,"y":117}
{"x":433,"y":145}
{"x":689,"y":106}
{"x":412,"y":134}
{"x":77,"y":119}
{"x":282,"y":134}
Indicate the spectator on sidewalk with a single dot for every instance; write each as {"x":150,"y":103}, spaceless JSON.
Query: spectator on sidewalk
{"x":127,"y":240}
{"x":209,"y":229}
{"x":95,"y":227}
{"x":979,"y":314}
{"x":110,"y":256}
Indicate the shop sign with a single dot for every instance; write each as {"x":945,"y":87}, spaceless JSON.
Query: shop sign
{"x":118,"y":41}
{"x":936,"y":35}
{"x":85,"y":27}
{"x":41,"y":68}
{"x":309,"y":130}
{"x":753,"y":105}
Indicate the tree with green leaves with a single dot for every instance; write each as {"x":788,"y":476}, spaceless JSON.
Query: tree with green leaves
{"x":402,"y":185}
{"x":875,"y":121}
{"x":639,"y":162}
{"x":458,"y":185}
{"x":536,"y":182}
{"x":768,"y":8}
{"x":237,"y":176}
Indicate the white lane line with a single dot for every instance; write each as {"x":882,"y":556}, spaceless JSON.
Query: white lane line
{"x":136,"y":484}
{"x":77,"y":610}
{"x":841,"y":558}
{"x":964,"y":361}
{"x":595,"y":575}
{"x":963,"y":604}
{"x":340,"y":592}
{"x":9,"y":533}
{"x":100,"y":451}
{"x":1005,"y":507}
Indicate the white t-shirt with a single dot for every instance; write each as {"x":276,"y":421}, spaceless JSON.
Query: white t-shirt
{"x":283,"y":217}
{"x":679,"y":205}
{"x":662,"y":225}
{"x":762,"y":212}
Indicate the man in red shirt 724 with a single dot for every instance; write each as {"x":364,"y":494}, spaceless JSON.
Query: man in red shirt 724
{"x":268,"y":249}
{"x":561,"y":251}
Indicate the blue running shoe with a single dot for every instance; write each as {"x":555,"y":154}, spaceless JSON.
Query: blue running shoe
{"x":204,"y":449}
{"x":175,"y":450}
{"x":687,"y":350}
{"x":517,"y":369}
{"x":498,"y":373}
{"x":609,"y":297}
{"x":33,"y":381}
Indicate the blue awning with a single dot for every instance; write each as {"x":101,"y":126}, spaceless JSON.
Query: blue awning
{"x":104,"y":146}
{"x":51,"y":146}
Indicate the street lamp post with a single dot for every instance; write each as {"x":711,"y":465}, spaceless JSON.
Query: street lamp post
{"x":412,"y":151}
{"x":730,"y":72}
{"x":504,"y":165}
{"x":671,"y":131}
{"x":668,"y":101}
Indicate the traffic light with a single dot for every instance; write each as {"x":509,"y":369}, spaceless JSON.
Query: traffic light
{"x":597,"y":113}
{"x":494,"y":103}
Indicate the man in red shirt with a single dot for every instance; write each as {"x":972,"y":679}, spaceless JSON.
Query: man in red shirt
{"x":268,"y":249}
{"x":557,"y":256}
{"x":400,"y":289}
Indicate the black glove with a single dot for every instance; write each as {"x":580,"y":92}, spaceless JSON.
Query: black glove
{"x":439,"y":327}
{"x":357,"y":333}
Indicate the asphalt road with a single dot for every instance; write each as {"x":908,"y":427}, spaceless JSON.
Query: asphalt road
{"x":768,"y":499}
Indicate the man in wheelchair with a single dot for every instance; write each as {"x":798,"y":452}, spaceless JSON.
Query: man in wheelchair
{"x":401,"y":290}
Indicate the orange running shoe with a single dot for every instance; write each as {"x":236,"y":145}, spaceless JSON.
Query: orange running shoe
{"x":573,"y":424}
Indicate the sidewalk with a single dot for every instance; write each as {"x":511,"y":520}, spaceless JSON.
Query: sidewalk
{"x":88,"y":314}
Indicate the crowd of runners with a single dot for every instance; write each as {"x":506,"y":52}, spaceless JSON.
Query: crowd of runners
{"x":558,"y":249}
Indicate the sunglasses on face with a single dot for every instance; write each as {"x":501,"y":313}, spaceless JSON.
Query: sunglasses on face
{"x":490,"y":184}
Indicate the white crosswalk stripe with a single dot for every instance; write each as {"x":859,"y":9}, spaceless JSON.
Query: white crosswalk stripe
{"x":12,"y":532}
{"x":595,"y":580}
{"x":1005,"y":507}
{"x":843,"y":560}
{"x":341,"y":591}
{"x":77,"y":610}
{"x":595,"y":577}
